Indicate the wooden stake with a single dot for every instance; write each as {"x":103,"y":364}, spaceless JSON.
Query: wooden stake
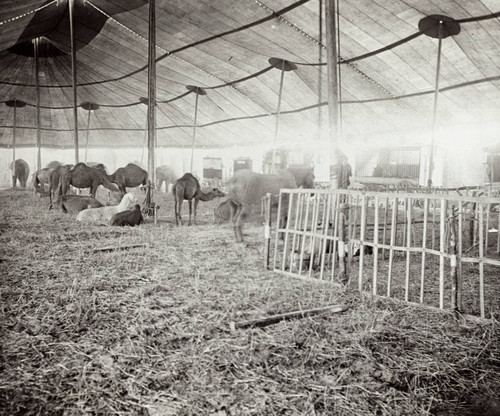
{"x":274,"y":319}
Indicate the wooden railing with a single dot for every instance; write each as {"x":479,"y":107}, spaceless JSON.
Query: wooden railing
{"x":438,"y":250}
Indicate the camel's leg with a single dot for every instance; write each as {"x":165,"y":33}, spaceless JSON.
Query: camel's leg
{"x":233,"y":219}
{"x":233,"y":209}
{"x":195,"y":209}
{"x":190,"y":202}
{"x":240,"y":217}
{"x":178,"y":204}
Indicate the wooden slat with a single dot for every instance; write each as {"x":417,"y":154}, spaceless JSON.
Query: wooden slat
{"x":424,"y":248}
{"x":362,"y":235}
{"x":442,"y":248}
{"x":326,"y":230}
{"x":375,"y":247}
{"x":408,"y":244}
{"x":480,"y":211}
{"x":391,"y":247}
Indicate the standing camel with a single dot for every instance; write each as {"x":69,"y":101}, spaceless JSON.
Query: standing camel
{"x":129,"y":176}
{"x":55,"y":176}
{"x":20,"y":171}
{"x":189,"y":188}
{"x":246,"y":190}
{"x":83,"y":176}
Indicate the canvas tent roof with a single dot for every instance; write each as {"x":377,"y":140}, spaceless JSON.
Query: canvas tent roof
{"x":388,"y":69}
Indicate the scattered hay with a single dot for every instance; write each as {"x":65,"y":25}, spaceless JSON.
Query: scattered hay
{"x":146,"y":331}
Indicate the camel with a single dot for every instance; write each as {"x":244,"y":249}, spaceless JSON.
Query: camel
{"x":54,"y":164}
{"x":55,"y":176}
{"x":83,"y":176}
{"x":131,"y":217}
{"x":189,"y":188}
{"x":74,"y":204}
{"x":20,"y":171}
{"x":129,"y":176}
{"x":165,"y":174}
{"x":40,"y":179}
{"x":246,"y":190}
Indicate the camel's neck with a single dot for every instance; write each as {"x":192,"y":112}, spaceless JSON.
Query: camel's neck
{"x":207,"y":196}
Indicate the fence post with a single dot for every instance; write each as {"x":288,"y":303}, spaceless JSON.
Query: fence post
{"x":452,"y":247}
{"x":267,"y":230}
{"x":343,"y":277}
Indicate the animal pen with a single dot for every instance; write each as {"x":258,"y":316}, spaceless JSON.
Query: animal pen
{"x":442,"y":251}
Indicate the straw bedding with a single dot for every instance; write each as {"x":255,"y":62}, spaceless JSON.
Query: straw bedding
{"x":135,"y":321}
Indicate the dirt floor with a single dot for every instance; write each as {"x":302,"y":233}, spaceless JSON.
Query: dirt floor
{"x":100,"y":320}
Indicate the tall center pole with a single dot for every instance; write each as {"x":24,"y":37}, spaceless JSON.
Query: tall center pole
{"x":198,"y":91}
{"x":151,"y":90}
{"x":434,"y":111}
{"x":87,"y":138}
{"x":71,"y":4}
{"x":283,"y":66}
{"x":194,"y":130}
{"x":36,"y":45}
{"x":278,"y":111}
{"x":15,"y":104}
{"x":440,"y":27}
{"x":320,"y":72}
{"x":14,"y":137}
{"x":333,"y":93}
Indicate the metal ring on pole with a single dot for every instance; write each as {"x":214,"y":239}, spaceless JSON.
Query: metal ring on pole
{"x":429,"y":26}
{"x":197,"y":90}
{"x":89,"y":106}
{"x":15,"y":103}
{"x":144,"y":100}
{"x":282,"y":64}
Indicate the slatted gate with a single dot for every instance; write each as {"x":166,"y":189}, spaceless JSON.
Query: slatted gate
{"x":439,"y":250}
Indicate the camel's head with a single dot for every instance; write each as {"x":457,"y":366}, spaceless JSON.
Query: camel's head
{"x":218,"y":193}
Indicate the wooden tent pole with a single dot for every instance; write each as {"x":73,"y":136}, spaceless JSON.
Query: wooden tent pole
{"x":151,"y":108}
{"x":278,"y":111}
{"x":151,"y":90}
{"x":194,"y":130}
{"x":333,"y":93}
{"x":14,"y":138}
{"x":434,"y":112}
{"x":36,"y":45}
{"x":71,"y":4}
{"x":87,"y":138}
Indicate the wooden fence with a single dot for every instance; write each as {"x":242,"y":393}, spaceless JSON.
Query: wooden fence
{"x":438,"y":250}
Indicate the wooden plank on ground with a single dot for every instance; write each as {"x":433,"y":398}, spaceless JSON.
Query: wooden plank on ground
{"x":274,"y":319}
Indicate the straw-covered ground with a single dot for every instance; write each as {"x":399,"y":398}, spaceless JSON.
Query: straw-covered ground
{"x":87,"y":328}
